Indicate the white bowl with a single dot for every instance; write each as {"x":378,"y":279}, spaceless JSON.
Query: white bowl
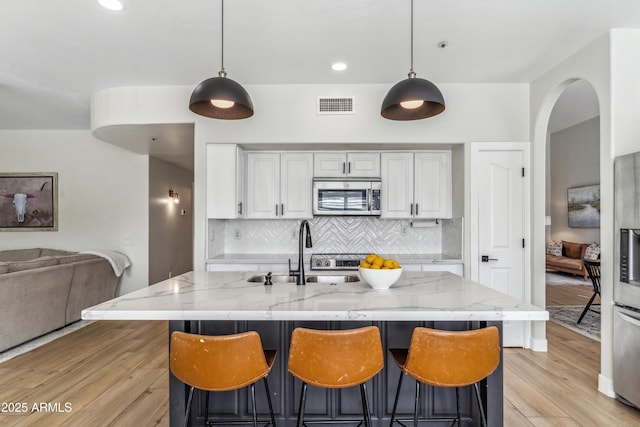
{"x":379,"y":279}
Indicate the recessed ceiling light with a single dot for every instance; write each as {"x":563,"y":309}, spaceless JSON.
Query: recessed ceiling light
{"x":115,"y":5}
{"x":338,"y":66}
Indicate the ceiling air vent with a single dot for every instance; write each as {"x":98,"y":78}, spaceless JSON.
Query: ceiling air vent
{"x":331,"y":105}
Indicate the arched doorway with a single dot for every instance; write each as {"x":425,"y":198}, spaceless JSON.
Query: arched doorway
{"x":572,"y":170}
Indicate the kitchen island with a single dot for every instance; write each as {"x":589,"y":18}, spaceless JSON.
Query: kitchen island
{"x":225,"y":302}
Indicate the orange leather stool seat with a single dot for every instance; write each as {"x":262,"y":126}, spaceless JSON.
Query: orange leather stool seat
{"x":448,"y":359}
{"x":221,"y":363}
{"x":335,"y":359}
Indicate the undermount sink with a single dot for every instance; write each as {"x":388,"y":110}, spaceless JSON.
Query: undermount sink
{"x":326,"y":278}
{"x":275,"y":278}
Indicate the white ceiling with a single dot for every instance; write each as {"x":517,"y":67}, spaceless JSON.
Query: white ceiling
{"x":55,"y":54}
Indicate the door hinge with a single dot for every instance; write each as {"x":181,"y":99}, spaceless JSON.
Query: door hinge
{"x":523,"y":172}
{"x":523,"y":243}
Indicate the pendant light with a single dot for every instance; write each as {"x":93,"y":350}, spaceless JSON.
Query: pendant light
{"x":413,"y":98}
{"x":220,"y":97}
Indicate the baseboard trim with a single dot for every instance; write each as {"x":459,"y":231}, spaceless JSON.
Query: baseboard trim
{"x":605,"y":386}
{"x":540,"y":345}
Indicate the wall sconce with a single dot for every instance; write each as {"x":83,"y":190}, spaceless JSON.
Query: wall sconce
{"x":174,"y":197}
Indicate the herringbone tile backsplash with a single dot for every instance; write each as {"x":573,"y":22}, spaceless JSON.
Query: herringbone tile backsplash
{"x":335,"y":234}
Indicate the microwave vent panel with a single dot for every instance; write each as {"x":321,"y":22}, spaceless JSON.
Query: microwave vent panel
{"x":333,"y":105}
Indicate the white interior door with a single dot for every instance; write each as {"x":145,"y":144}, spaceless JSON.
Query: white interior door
{"x":501,"y":192}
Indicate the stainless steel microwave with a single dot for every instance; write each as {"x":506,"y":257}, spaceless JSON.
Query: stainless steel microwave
{"x":339,"y":196}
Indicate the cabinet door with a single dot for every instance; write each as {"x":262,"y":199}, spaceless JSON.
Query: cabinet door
{"x":432,"y":193}
{"x":365,"y":164}
{"x":340,"y":164}
{"x":329,"y":164}
{"x":295,"y":185}
{"x":224,"y":189}
{"x":397,"y":185}
{"x":263,"y":185}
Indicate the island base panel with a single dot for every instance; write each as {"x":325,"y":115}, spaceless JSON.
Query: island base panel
{"x":339,"y":404}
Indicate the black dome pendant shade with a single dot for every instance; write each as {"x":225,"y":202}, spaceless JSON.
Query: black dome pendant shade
{"x":220,"y":97}
{"x":217,"y":90}
{"x":413,"y":98}
{"x":412,"y":90}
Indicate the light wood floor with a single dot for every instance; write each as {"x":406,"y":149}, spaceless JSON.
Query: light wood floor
{"x":115,"y":373}
{"x":569,"y":294}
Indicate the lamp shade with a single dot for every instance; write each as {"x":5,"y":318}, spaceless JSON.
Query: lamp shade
{"x":233,"y":101}
{"x":411,"y":90}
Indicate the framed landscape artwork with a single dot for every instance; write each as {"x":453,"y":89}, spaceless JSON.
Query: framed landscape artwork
{"x":584,"y":206}
{"x":29,"y":201}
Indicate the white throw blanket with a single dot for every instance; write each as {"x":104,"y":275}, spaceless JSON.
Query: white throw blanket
{"x":119,"y":261}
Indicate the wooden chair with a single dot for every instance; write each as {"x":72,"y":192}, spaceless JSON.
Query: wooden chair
{"x":221,"y":363}
{"x":448,"y":359}
{"x":593,"y":269}
{"x":335,"y":359}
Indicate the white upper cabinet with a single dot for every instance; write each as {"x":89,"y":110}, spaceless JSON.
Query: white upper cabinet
{"x":397,"y":185}
{"x":343,"y":164}
{"x":279,"y":185}
{"x":432,"y":184}
{"x":416,"y":185}
{"x":225,"y":188}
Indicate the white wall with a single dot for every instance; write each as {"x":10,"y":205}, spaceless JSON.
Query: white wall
{"x":574,"y":161}
{"x":170,"y":232}
{"x":591,"y":63}
{"x":102,"y":195}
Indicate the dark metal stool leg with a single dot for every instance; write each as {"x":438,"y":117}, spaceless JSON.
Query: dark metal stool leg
{"x":483,"y":418}
{"x":266,"y":387}
{"x":416,"y":404}
{"x":253,"y":404}
{"x":458,"y":406}
{"x":365,"y":405}
{"x":303,"y":397}
{"x":206,"y":407}
{"x":395,"y":401}
{"x":188,"y":411}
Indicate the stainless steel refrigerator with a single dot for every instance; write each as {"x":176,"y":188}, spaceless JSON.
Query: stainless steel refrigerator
{"x":626,"y":292}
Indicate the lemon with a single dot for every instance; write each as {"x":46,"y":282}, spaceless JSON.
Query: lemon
{"x":365,"y":264}
{"x":370,"y":258}
{"x":389,"y":263}
{"x":375,"y":267}
{"x":379,"y":261}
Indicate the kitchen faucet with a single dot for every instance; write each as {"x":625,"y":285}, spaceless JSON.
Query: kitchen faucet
{"x":299,"y":273}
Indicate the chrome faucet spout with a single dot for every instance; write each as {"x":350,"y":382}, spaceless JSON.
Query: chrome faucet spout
{"x":299,"y":273}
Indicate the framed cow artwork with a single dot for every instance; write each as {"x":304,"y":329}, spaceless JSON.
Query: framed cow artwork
{"x":29,"y":201}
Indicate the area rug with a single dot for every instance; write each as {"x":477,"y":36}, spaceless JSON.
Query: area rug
{"x":553,"y":278}
{"x":567,"y":316}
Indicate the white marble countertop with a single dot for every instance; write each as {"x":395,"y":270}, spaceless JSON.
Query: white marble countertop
{"x":282,"y":259}
{"x":228,"y":296}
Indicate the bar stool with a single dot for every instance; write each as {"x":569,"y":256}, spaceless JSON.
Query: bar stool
{"x":221,"y":363}
{"x":448,"y":359}
{"x":335,"y":359}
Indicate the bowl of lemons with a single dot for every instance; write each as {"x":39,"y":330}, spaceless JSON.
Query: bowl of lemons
{"x":378,"y":272}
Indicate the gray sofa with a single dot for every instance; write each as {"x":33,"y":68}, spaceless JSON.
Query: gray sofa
{"x":42,"y":290}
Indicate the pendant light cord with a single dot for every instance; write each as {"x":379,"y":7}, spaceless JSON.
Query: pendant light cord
{"x":222,"y":33}
{"x":411,"y":70}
